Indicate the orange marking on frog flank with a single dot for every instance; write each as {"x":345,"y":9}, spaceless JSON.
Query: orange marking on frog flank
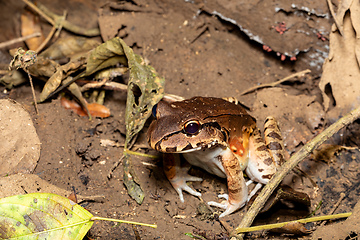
{"x":237,"y":146}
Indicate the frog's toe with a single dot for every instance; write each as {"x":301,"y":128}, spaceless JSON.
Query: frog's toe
{"x":190,"y":178}
{"x":180,"y":185}
{"x":224,"y":196}
{"x":229,"y":207}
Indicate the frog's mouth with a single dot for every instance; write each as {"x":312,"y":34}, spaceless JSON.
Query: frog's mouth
{"x":201,"y":146}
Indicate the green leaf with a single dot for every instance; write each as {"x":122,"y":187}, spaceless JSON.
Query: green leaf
{"x":108,"y":54}
{"x":42,"y":216}
{"x":145,"y":89}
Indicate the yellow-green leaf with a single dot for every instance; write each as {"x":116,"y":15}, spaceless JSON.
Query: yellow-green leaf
{"x":42,"y":216}
{"x":145,"y":89}
{"x":108,"y":54}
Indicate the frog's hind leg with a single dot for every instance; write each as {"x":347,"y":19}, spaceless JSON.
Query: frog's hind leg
{"x":178,"y":175}
{"x":274,"y":141}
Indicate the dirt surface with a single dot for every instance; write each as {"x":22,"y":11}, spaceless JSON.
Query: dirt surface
{"x":199,"y":54}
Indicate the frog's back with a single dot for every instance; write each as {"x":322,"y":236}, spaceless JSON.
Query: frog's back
{"x":209,"y":109}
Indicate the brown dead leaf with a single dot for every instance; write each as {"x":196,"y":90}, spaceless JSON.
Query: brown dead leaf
{"x":68,"y":47}
{"x":95,"y":109}
{"x":292,"y":228}
{"x":340,"y":79}
{"x":326,"y":152}
{"x":61,"y":73}
{"x":29,"y":25}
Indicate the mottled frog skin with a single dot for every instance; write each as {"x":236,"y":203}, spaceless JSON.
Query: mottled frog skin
{"x":222,"y":138}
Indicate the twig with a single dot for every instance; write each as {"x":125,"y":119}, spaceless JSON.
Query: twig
{"x":273,"y":84}
{"x":20,"y":39}
{"x":32,"y":90}
{"x":123,"y":221}
{"x":305,"y":220}
{"x":60,"y":24}
{"x":54,"y":19}
{"x":47,"y":39}
{"x":56,"y":28}
{"x":140,"y":154}
{"x":342,"y":196}
{"x":70,"y":26}
{"x":123,"y":87}
{"x":41,"y":13}
{"x":289,"y":165}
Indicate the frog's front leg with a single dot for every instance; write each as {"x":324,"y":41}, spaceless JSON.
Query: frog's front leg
{"x":237,"y":188}
{"x":178,"y":174}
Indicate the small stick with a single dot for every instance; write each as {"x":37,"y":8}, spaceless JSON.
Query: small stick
{"x":32,"y":90}
{"x":53,"y":19}
{"x":304,"y":220}
{"x":20,"y":39}
{"x":41,"y":13}
{"x":48,"y":38}
{"x":342,"y":196}
{"x":273,"y":84}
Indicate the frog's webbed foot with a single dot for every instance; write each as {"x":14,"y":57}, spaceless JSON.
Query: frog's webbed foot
{"x":229,"y":207}
{"x":179,"y":184}
{"x":177,"y":174}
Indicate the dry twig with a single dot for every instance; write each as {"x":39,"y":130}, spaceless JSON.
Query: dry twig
{"x":342,"y":196}
{"x":273,"y":84}
{"x":305,"y":220}
{"x":20,"y":39}
{"x":57,"y":20}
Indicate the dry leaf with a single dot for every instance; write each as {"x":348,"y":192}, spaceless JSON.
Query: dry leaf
{"x":326,"y":152}
{"x":340,"y":79}
{"x":29,"y":25}
{"x":61,"y":73}
{"x":292,"y":228}
{"x":95,"y":109}
{"x":68,"y":47}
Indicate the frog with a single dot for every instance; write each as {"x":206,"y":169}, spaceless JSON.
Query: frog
{"x":221,"y":137}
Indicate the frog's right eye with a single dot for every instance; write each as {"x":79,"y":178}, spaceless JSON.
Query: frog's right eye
{"x":154,"y":110}
{"x":192,"y":127}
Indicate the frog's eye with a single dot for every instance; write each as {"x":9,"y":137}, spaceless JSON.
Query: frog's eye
{"x":192,"y":127}
{"x":154,"y":110}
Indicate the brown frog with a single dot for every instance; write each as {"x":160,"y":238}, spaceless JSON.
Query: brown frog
{"x":221,"y":137}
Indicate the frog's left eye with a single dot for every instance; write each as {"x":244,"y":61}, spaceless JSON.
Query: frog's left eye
{"x":192,"y":127}
{"x":154,"y":109}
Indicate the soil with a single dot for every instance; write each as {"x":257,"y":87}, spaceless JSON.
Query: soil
{"x":198,"y":54}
